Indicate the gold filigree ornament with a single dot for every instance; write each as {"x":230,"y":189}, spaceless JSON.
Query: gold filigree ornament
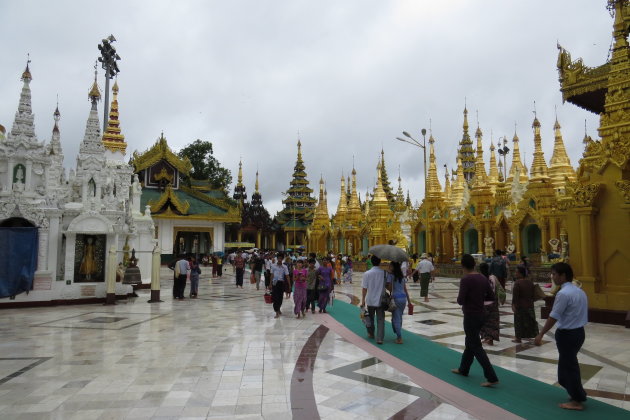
{"x":584,"y":195}
{"x":624,"y":189}
{"x":619,"y":150}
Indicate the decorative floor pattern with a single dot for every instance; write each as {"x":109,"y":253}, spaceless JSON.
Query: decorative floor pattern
{"x":224,"y":356}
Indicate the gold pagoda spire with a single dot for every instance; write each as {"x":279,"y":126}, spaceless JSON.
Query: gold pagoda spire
{"x":433,"y":182}
{"x":517,"y":164}
{"x":321,"y":211}
{"x":539,"y":170}
{"x":342,"y":206}
{"x":457,"y":190}
{"x":466,"y":152}
{"x":256,"y":185}
{"x":112,"y":138}
{"x":354,"y":206}
{"x":240,"y":173}
{"x":366,"y":211}
{"x":447,"y":185}
{"x":379,"y":194}
{"x":560,"y":170}
{"x":481,"y":177}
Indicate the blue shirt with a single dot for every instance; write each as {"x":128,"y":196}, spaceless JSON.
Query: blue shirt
{"x":570,"y":307}
{"x":398,"y":288}
{"x":278,"y":272}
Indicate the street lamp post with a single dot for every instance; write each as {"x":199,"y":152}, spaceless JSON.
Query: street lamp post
{"x":108,"y":59}
{"x":410,"y":140}
{"x":503,"y":151}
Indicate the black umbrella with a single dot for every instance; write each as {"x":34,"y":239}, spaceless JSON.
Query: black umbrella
{"x":389,"y":252}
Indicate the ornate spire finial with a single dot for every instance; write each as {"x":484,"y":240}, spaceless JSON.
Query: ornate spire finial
{"x":26,"y":76}
{"x":256,"y":185}
{"x":95,"y":95}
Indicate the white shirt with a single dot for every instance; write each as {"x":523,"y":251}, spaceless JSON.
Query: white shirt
{"x":424,"y":266}
{"x":268,"y":264}
{"x":373,"y":280}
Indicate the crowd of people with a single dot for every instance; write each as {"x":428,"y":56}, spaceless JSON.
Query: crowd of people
{"x":311,"y":281}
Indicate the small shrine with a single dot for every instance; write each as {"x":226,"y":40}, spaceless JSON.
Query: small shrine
{"x":190,"y":216}
{"x":62,"y":227}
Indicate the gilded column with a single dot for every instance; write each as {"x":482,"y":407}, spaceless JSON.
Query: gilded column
{"x":553,"y":227}
{"x":544,"y":237}
{"x":480,"y":236}
{"x":586,"y":217}
{"x":258,"y":239}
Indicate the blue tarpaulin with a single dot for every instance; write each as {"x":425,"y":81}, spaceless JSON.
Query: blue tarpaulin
{"x":18,"y":259}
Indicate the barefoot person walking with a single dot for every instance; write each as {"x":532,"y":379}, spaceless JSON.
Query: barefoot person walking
{"x":474,"y":289}
{"x":570,"y":311}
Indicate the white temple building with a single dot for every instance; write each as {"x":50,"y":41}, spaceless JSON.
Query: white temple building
{"x":56,"y":231}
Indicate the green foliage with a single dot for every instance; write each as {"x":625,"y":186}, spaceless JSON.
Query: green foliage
{"x":205,"y":166}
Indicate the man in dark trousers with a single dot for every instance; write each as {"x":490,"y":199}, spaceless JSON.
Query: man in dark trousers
{"x":182,"y":268}
{"x":570,"y":311}
{"x":239,"y":264}
{"x":474,"y":289}
{"x":280,"y":275}
{"x":498,"y":267}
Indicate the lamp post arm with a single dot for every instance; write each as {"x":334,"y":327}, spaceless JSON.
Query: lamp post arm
{"x":413,"y":143}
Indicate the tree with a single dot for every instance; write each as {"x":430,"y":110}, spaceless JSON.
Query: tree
{"x":205,"y":166}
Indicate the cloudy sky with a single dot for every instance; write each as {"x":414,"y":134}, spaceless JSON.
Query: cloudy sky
{"x":349,"y":76}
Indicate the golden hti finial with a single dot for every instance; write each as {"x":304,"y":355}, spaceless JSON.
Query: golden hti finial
{"x":240,"y":173}
{"x":256,"y":184}
{"x":95,"y":94}
{"x":26,"y":75}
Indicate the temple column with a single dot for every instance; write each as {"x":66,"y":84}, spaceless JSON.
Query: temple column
{"x":587,"y":260}
{"x":42,"y":252}
{"x":239,"y":235}
{"x":10,"y":169}
{"x":258,"y":239}
{"x":544,"y":237}
{"x":28,"y":177}
{"x":460,"y":239}
{"x":518,"y":243}
{"x":71,"y":239}
{"x":480,"y":236}
{"x":273,"y":242}
{"x":286,"y":240}
{"x":553,"y":227}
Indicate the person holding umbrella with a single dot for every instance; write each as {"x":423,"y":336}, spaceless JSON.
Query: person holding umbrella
{"x":374,"y":283}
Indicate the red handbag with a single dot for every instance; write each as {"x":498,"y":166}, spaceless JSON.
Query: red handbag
{"x":410,"y":309}
{"x":268,"y":298}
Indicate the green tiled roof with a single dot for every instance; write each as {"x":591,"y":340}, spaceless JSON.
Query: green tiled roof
{"x":197,"y":206}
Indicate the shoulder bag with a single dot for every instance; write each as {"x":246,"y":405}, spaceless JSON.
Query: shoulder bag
{"x":539,"y":294}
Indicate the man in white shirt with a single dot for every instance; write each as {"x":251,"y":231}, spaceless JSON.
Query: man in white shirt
{"x":425,"y":268}
{"x":374,"y":280}
{"x":280,"y":274}
{"x":182,"y":268}
{"x":570,"y":311}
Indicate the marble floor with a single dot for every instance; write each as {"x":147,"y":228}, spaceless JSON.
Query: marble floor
{"x":223,"y":355}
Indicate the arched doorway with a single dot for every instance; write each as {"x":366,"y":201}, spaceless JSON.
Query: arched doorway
{"x":532,"y":239}
{"x":16,"y":222}
{"x":471,"y":244}
{"x":18,"y":262}
{"x":422,"y":242}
